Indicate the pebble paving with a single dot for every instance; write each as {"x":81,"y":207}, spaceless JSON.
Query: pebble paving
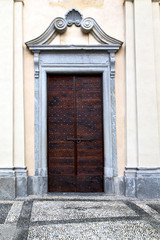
{"x":77,"y":217}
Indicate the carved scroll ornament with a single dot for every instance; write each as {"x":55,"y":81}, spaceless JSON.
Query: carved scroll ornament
{"x":59,"y":26}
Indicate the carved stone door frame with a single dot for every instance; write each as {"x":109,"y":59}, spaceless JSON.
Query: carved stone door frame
{"x":89,"y":59}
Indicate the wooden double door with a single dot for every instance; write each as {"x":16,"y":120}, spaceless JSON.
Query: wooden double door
{"x":75,"y":133}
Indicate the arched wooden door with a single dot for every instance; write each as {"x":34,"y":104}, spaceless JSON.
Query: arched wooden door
{"x":75,"y":133}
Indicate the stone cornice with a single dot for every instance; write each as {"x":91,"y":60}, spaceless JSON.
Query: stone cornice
{"x":104,"y":47}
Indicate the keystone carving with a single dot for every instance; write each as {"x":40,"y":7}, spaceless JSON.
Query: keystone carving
{"x":73,"y":17}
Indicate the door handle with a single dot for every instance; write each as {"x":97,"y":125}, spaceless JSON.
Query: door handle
{"x":78,"y":140}
{"x":71,"y":139}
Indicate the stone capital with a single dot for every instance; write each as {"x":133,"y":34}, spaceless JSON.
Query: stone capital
{"x":158,"y":1}
{"x":128,"y":1}
{"x":22,"y":1}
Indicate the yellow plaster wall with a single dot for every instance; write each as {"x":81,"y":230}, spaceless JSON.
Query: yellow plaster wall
{"x":79,"y":4}
{"x":38,"y":14}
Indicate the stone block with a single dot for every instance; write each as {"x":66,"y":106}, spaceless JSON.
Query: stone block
{"x":148,"y":188}
{"x":32,"y":185}
{"x":109,"y":186}
{"x":119,"y":185}
{"x":43,"y":185}
{"x":21,"y":186}
{"x":37,"y":185}
{"x":7,"y":188}
{"x":130,"y":187}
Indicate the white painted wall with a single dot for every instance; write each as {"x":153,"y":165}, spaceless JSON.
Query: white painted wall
{"x":6,"y":83}
{"x":19,"y":154}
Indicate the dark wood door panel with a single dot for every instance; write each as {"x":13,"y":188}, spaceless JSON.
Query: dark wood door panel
{"x":89,"y":183}
{"x":75,"y":133}
{"x":65,"y":183}
{"x":90,"y":126}
{"x":85,"y":161}
{"x":61,"y":161}
{"x":61,"y":170}
{"x":60,"y":126}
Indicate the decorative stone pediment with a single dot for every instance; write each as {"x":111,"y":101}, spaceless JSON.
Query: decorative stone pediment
{"x":59,"y":26}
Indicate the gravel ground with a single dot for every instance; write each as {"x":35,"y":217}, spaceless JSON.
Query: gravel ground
{"x":77,"y":217}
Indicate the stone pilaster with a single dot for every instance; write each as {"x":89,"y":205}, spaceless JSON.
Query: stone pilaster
{"x":131,"y":109}
{"x":147,"y":115}
{"x":19,"y":150}
{"x":142,"y":98}
{"x":19,"y":155}
{"x":156,"y":37}
{"x":13,"y":173}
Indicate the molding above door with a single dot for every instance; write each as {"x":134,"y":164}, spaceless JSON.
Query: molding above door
{"x":59,"y":26}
